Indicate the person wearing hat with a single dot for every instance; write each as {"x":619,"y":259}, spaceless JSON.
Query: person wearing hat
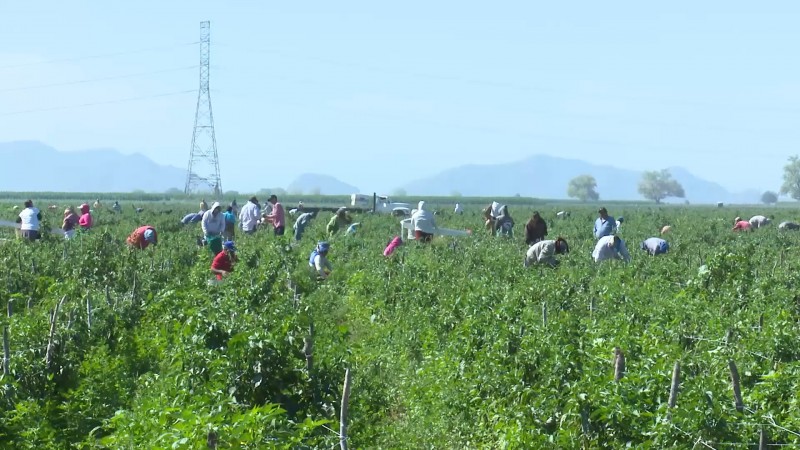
{"x":116,"y":208}
{"x":222,"y":265}
{"x":248,"y":216}
{"x":610,"y":247}
{"x":69,"y":223}
{"x":142,"y":237}
{"x":230,"y":223}
{"x":301,"y":223}
{"x":543,"y":252}
{"x":318,"y":260}
{"x":619,"y":222}
{"x":605,"y":225}
{"x":655,"y":246}
{"x":85,"y":220}
{"x":504,"y":224}
{"x":741,"y":225}
{"x":423,"y":223}
{"x":276,"y":217}
{"x":213,"y":225}
{"x":338,"y":221}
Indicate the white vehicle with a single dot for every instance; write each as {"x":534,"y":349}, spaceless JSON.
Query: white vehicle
{"x":381,"y":203}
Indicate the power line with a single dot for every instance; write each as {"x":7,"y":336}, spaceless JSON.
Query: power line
{"x":108,"y":102}
{"x":115,"y":77}
{"x":106,"y":55}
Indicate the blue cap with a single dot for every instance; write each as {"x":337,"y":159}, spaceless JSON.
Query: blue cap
{"x":228,"y":245}
{"x":149,"y":235}
{"x":323,"y":246}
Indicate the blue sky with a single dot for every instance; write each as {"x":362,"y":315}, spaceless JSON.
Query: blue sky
{"x":378,"y":94}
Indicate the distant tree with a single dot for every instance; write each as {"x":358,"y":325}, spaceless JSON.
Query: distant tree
{"x":455,"y":194}
{"x":584,"y":188}
{"x":658,"y":185}
{"x":399,"y":192}
{"x":316,"y":191}
{"x":174,"y":191}
{"x":791,"y":178}
{"x":769,"y":198}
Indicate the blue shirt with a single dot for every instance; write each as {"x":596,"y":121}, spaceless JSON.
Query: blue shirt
{"x":229,"y":217}
{"x":604,"y":227}
{"x":655,"y":246}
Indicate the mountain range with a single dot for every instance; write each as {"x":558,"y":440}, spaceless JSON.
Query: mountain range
{"x":43,"y":168}
{"x":543,"y":176}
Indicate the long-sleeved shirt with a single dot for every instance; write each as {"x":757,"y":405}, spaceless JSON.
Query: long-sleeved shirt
{"x":212,"y":225}
{"x":249,"y":215}
{"x":277,"y":217}
{"x":603,"y":251}
{"x":788,"y":226}
{"x":742,"y":225}
{"x":655,"y":246}
{"x":605,"y":227}
{"x":542,"y":252}
{"x":321,"y":264}
{"x":302,"y":220}
{"x":759,"y":221}
{"x":423,"y":221}
{"x":535,"y":231}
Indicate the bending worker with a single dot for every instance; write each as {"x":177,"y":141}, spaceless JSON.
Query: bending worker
{"x":423,"y":223}
{"x":655,"y":246}
{"x":318,"y":260}
{"x":543,"y":252}
{"x":143,"y":237}
{"x":610,"y":247}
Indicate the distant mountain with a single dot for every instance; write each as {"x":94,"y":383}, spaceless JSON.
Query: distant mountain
{"x":545,"y":176}
{"x":34,"y":166}
{"x":312,"y":183}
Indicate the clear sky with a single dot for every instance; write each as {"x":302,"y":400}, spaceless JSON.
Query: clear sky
{"x":380,"y":93}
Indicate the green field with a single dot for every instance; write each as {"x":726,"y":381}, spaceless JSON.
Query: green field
{"x":450,"y":345}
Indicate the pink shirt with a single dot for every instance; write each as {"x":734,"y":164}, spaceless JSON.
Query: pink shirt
{"x":742,"y":225}
{"x":396,"y":242}
{"x":277,"y":215}
{"x":85,"y":221}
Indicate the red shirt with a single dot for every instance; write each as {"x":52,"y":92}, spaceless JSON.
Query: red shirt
{"x":742,"y":225}
{"x":222,"y":261}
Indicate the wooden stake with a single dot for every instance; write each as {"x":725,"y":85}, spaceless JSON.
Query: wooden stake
{"x":343,"y":412}
{"x":737,"y":390}
{"x":6,"y":352}
{"x":592,"y":306}
{"x":619,"y":364}
{"x":50,"y":341}
{"x":308,"y":350}
{"x":89,"y":313}
{"x":676,"y":380}
{"x":761,"y":322}
{"x":544,"y":314}
{"x":10,"y":307}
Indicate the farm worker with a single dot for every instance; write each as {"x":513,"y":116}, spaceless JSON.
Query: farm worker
{"x":604,"y":225}
{"x":423,"y":223}
{"x":352,"y":228}
{"x":788,"y":226}
{"x":619,"y":222}
{"x":69,"y":223}
{"x":143,"y":237}
{"x":29,"y":221}
{"x":301,"y":223}
{"x":203,"y":206}
{"x":298,"y":210}
{"x":490,"y":214}
{"x":393,"y":244}
{"x":339,"y":220}
{"x":116,"y":208}
{"x":610,"y":247}
{"x":230,"y":223}
{"x":248,"y":216}
{"x":86,"y":218}
{"x":234,"y":207}
{"x":458,"y":209}
{"x":741,"y":225}
{"x":192,"y":218}
{"x":222,"y":265}
{"x":213,"y":225}
{"x":666,"y":229}
{"x":562,"y":214}
{"x":543,"y":252}
{"x":655,"y":246}
{"x":276,"y":217}
{"x":97,"y":204}
{"x":504,"y":223}
{"x":759,"y":221}
{"x":318,"y":260}
{"x":535,"y":229}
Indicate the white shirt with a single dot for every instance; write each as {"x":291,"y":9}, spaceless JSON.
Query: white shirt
{"x":249,"y":216}
{"x":422,"y":220}
{"x":30,"y":221}
{"x":212,"y":225}
{"x":321,"y":263}
{"x":602,"y":251}
{"x":759,"y":221}
{"x":458,"y":209}
{"x":541,"y":252}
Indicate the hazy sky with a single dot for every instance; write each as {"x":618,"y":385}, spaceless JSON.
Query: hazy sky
{"x":378,"y":94}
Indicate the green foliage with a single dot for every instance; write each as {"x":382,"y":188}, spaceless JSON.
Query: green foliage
{"x":584,"y":188}
{"x":791,"y":178}
{"x":769,"y":198}
{"x":446,"y":342}
{"x":658,"y":185}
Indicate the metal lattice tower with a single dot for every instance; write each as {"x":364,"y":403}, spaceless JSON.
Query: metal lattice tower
{"x":203,"y":173}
